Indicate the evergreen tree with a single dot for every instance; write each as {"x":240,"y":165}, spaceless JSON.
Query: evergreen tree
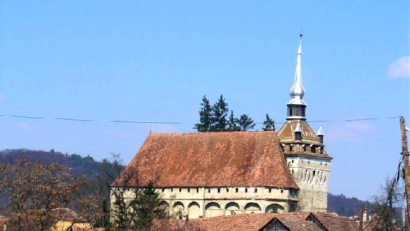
{"x":245,"y":123}
{"x":268,"y":124}
{"x":148,"y":206}
{"x":219,"y":113}
{"x":233,"y":123}
{"x":205,"y":116}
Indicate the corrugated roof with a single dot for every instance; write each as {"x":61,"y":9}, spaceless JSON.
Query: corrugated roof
{"x":210,"y":159}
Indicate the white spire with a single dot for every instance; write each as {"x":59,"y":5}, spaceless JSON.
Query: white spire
{"x":298,"y":128}
{"x":320,"y":131}
{"x":297,"y":91}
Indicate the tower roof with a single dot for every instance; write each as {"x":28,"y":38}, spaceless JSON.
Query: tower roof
{"x":298,"y":129}
{"x":286,"y":135}
{"x":297,"y":91}
{"x":320,"y":131}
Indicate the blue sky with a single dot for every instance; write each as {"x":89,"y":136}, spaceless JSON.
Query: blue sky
{"x":153,"y":61}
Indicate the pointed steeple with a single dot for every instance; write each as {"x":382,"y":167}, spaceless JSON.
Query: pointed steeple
{"x":298,"y":128}
{"x":320,"y":134}
{"x":320,"y":131}
{"x":298,"y":132}
{"x":296,"y":106}
{"x":297,"y":91}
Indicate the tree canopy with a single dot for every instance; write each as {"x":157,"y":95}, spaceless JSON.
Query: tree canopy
{"x":268,"y":124}
{"x":215,"y":118}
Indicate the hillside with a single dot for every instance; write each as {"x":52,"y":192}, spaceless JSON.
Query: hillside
{"x":345,"y":206}
{"x":79,"y":164}
{"x":340,"y":204}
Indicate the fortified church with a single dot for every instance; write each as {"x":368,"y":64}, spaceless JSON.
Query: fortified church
{"x":226,"y":173}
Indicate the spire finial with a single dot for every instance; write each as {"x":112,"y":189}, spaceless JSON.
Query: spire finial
{"x":298,"y":128}
{"x":297,"y":91}
{"x":320,"y":131}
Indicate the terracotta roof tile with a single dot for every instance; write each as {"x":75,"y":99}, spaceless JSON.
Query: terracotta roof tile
{"x":336,"y":223}
{"x":245,"y":222}
{"x":210,"y":159}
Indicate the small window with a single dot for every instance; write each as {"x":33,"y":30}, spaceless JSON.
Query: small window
{"x":180,"y":189}
{"x":308,"y":162}
{"x":172,"y":189}
{"x":219,"y":190}
{"x":270,"y":190}
{"x":281,"y":191}
{"x":209,"y":190}
{"x":197,"y":190}
{"x":293,"y":161}
{"x":236,"y":190}
{"x":246,"y":190}
{"x":189,"y":190}
{"x":163,"y":189}
{"x":290,"y":148}
{"x":256,"y":190}
{"x":227,"y":189}
{"x":313,"y":149}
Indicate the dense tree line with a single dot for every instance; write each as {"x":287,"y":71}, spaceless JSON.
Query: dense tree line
{"x":214,"y":118}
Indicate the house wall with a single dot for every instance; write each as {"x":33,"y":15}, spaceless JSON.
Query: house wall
{"x":312,"y":176}
{"x":218,"y":201}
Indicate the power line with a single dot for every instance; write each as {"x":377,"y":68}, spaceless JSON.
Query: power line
{"x":346,"y":120}
{"x":176,"y":123}
{"x":88,"y":120}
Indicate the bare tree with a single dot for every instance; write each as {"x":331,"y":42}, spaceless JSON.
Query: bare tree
{"x":34,"y":191}
{"x":385,"y":205}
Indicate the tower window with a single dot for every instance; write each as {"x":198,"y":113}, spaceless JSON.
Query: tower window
{"x":313,"y":149}
{"x":236,"y":190}
{"x":163,"y":190}
{"x":227,"y":189}
{"x":246,"y":190}
{"x":270,"y":190}
{"x":281,"y":191}
{"x":290,"y":148}
{"x":180,"y":189}
{"x":197,"y":190}
{"x":189,"y":190}
{"x":256,"y":190}
{"x":219,"y":190}
{"x":209,"y":190}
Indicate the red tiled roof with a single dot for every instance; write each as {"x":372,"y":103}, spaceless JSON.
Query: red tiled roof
{"x":210,"y":159}
{"x":245,"y":222}
{"x":333,"y":222}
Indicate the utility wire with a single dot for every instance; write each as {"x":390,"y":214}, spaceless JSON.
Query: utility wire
{"x":165,"y":122}
{"x":88,"y":120}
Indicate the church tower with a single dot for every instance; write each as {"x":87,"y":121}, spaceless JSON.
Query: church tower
{"x":304,"y":150}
